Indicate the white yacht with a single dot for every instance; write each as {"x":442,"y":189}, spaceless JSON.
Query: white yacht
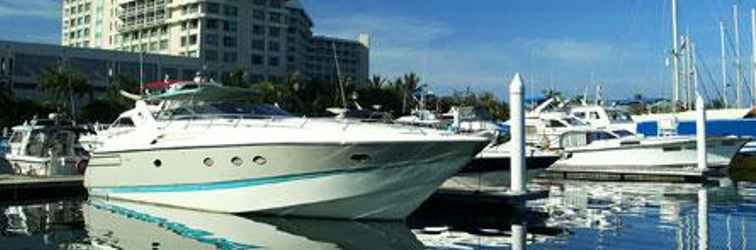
{"x":621,"y":148}
{"x":47,"y":147}
{"x":206,"y":152}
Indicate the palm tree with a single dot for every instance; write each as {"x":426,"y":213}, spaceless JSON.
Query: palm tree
{"x":60,"y":85}
{"x":237,"y":78}
{"x":411,"y":82}
{"x":377,"y":81}
{"x":551,"y":93}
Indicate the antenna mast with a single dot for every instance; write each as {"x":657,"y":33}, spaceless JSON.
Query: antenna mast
{"x":338,"y":76}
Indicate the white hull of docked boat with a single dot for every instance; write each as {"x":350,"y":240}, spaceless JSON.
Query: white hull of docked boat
{"x":653,"y":152}
{"x":384,"y":181}
{"x":713,"y":114}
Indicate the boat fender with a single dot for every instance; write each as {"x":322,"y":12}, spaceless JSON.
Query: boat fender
{"x":81,"y":165}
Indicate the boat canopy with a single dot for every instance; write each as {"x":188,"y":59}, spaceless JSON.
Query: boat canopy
{"x":203,"y":92}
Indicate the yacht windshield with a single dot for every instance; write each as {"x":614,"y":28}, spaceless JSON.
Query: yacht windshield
{"x":619,"y":116}
{"x":622,"y":133}
{"x":195,"y":110}
{"x":573,"y":122}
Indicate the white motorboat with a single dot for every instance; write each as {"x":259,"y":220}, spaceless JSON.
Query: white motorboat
{"x":47,"y":147}
{"x":619,"y":148}
{"x":205,"y":152}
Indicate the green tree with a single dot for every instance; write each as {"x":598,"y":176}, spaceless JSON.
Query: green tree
{"x":66,"y":88}
{"x":236,"y":78}
{"x":410,"y":86}
{"x":377,"y":81}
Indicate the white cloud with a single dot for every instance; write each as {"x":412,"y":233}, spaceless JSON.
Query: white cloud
{"x":48,"y":9}
{"x":570,"y":50}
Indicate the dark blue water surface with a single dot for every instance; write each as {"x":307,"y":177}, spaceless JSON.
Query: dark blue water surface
{"x":577,"y":215}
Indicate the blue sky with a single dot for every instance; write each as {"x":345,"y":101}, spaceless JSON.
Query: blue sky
{"x":480,"y":44}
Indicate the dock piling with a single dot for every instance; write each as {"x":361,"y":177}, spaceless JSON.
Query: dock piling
{"x":517,"y":124}
{"x":701,"y":132}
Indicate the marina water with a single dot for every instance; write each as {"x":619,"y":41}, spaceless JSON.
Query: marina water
{"x":720,"y":214}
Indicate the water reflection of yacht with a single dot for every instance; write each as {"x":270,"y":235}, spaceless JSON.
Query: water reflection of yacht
{"x":126,"y":225}
{"x":203,"y":150}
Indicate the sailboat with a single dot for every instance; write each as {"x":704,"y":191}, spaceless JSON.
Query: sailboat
{"x":720,"y":122}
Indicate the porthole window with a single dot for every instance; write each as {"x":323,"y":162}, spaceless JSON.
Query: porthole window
{"x":259,"y":160}
{"x":237,"y":161}
{"x":158,"y":163}
{"x":209,"y":162}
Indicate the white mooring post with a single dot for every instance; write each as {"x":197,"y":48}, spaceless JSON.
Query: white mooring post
{"x":701,"y":132}
{"x":517,"y":123}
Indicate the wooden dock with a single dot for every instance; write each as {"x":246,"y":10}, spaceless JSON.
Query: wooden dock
{"x":15,"y":187}
{"x":634,"y":174}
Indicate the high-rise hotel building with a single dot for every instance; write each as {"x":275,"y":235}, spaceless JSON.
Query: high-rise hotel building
{"x":267,"y":39}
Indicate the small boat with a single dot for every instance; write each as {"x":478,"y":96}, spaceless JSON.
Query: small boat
{"x":47,"y":147}
{"x":617,"y":148}
{"x":208,"y":148}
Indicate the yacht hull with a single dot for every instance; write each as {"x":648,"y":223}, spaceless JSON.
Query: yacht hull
{"x":385,"y":181}
{"x":720,"y":152}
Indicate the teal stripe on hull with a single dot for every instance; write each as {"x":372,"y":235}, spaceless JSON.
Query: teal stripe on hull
{"x":211,"y":186}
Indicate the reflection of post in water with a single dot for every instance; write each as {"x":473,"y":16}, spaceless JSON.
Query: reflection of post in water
{"x":703,"y":219}
{"x":519,"y":230}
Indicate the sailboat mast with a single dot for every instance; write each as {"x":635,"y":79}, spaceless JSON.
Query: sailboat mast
{"x":738,"y":65}
{"x":338,"y":76}
{"x":753,"y":57}
{"x":724,"y":63}
{"x":694,"y":71}
{"x":675,"y":67}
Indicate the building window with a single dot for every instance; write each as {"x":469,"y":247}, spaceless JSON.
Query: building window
{"x":213,"y":8}
{"x":230,"y":11}
{"x":211,"y":55}
{"x":211,"y":39}
{"x":192,"y":39}
{"x":211,"y":24}
{"x":163,"y":44}
{"x":229,"y":41}
{"x":275,"y":3}
{"x":257,"y":59}
{"x":275,"y":17}
{"x":258,"y":15}
{"x":274,"y":46}
{"x":274,"y":31}
{"x":230,"y":26}
{"x":258,"y":30}
{"x":229,"y":57}
{"x":273,"y":61}
{"x":258,"y":44}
